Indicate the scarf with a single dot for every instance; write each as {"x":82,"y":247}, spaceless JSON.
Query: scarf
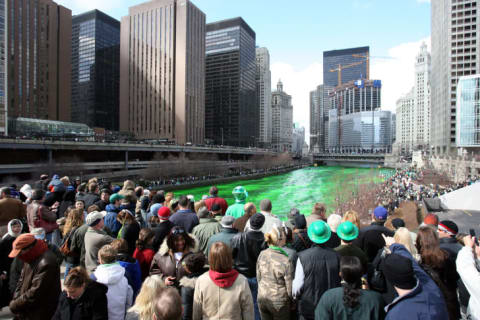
{"x":279,"y":250}
{"x":223,"y":280}
{"x":10,"y":232}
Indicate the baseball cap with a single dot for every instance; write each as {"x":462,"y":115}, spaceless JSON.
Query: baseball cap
{"x":380,"y":213}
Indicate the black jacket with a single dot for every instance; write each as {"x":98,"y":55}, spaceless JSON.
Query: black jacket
{"x":370,"y":239}
{"x":92,"y":305}
{"x":246,"y":248}
{"x":90,"y":198}
{"x":301,"y":241}
{"x":452,"y":247}
{"x":130,"y":232}
{"x":187,"y":289}
{"x":161,"y":231}
{"x":321,"y":266}
{"x":334,"y":241}
{"x":101,"y":204}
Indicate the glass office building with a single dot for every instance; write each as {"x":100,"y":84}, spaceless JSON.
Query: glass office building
{"x":344,"y":57}
{"x":231,"y":108}
{"x":47,"y":128}
{"x":96,"y":70}
{"x":468,"y":112}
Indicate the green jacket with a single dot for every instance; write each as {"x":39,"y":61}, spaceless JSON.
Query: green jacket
{"x":236,"y":210}
{"x":331,"y":306}
{"x":204,"y":231}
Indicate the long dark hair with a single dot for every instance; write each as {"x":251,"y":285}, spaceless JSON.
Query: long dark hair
{"x":351,"y":270}
{"x":428,"y":245}
{"x":179,"y":232}
{"x":145,"y":235}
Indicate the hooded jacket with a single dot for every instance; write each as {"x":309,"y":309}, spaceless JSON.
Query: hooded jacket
{"x":110,"y":219}
{"x":133,"y":272}
{"x":6,"y":262}
{"x":232,"y":301}
{"x":246,"y":248}
{"x":92,"y":304}
{"x":120,"y":294}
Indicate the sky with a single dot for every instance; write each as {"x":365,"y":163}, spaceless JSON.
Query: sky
{"x":297,"y":32}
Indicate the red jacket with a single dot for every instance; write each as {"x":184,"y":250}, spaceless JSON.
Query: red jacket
{"x":144,"y":258}
{"x":220,"y":201}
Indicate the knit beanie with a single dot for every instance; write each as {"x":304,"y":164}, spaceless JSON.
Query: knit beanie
{"x":398,"y":270}
{"x":257,"y":221}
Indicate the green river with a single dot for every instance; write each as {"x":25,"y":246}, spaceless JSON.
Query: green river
{"x":300,"y":188}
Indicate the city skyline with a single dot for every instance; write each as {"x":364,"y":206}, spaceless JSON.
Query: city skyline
{"x":298,"y":61}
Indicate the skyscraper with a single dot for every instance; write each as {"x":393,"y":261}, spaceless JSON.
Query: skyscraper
{"x":3,"y":70}
{"x":38,"y":77}
{"x":455,"y":40}
{"x":319,"y":107}
{"x":405,"y":122}
{"x":162,"y":71}
{"x":95,"y":70}
{"x":421,"y":91}
{"x":264,"y":94}
{"x":332,"y":59}
{"x":468,"y":121}
{"x":231,"y":108}
{"x":282,"y":120}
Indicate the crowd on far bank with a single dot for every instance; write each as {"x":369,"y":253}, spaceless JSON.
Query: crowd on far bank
{"x":134,"y":253}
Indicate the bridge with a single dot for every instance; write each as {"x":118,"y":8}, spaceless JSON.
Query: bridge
{"x":368,"y":160}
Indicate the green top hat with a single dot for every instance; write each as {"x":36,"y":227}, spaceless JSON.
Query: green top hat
{"x":319,"y":232}
{"x":347,"y":231}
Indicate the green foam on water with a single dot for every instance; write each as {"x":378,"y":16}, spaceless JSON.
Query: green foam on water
{"x":300,"y":188}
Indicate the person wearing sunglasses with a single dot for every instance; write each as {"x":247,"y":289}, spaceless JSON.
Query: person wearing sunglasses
{"x":167,"y":262}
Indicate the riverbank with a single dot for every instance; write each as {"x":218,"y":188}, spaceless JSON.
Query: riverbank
{"x":223,"y":180}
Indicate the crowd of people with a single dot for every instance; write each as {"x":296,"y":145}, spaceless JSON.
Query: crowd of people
{"x":133,"y":253}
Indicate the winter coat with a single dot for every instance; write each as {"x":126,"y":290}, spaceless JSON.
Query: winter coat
{"x":132,"y":271}
{"x":213,"y":302}
{"x":187,"y":289}
{"x":11,"y":209}
{"x":92,"y":304}
{"x":78,"y":243}
{"x":101,"y":204}
{"x":94,"y":241}
{"x":186,"y":219}
{"x":225,"y":236}
{"x":91,"y":198}
{"x":314,"y":217}
{"x":74,"y":258}
{"x":15,"y":273}
{"x":5,"y":264}
{"x":331,"y":306}
{"x":38,"y":288}
{"x":246,"y":248}
{"x":120,"y":294}
{"x":424,"y":302}
{"x":240,"y":223}
{"x":67,"y":201}
{"x":274,"y":277}
{"x":111,"y":221}
{"x":301,"y":241}
{"x":144,"y":258}
{"x":334,"y":241}
{"x":164,"y":263}
{"x":211,"y":200}
{"x":39,"y":215}
{"x":471,"y":278}
{"x":370,"y":239}
{"x":130,"y":232}
{"x":205,"y":230}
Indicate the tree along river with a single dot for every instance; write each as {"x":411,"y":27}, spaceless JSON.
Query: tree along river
{"x":300,"y":188}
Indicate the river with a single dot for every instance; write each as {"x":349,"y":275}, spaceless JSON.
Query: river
{"x":300,"y":188}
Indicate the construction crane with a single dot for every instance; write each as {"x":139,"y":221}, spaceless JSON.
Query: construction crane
{"x":339,"y":70}
{"x":366,"y":56}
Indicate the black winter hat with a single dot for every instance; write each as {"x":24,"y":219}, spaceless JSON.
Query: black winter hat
{"x":398,"y":223}
{"x":398,"y":270}
{"x":448,"y":226}
{"x":300,"y":222}
{"x":257,"y":221}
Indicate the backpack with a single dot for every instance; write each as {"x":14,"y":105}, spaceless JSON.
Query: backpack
{"x":65,"y":247}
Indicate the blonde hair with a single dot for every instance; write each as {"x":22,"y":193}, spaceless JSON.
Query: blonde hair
{"x":145,"y":302}
{"x":403,"y":236}
{"x":65,"y":180}
{"x":275,"y":235}
{"x":74,"y":220}
{"x":351,"y":216}
{"x":168,"y":198}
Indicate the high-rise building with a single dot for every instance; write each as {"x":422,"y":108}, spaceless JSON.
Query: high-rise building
{"x":282,"y":120}
{"x":298,"y":139}
{"x":96,"y":70}
{"x":319,"y":107}
{"x":421,"y":91}
{"x":345,"y":57}
{"x":405,"y":123}
{"x":3,"y":70}
{"x":394,"y":127}
{"x":264,"y":94}
{"x":455,"y":40}
{"x":231,"y":107}
{"x":38,"y":54}
{"x":162,"y":71}
{"x":468,"y":118}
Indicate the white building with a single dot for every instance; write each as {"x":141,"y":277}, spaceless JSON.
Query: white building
{"x":455,"y":40}
{"x":264,"y":89}
{"x":405,"y":122}
{"x":421,"y":91}
{"x":282,"y":120}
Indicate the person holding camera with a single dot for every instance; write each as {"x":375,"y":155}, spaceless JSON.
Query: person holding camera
{"x":467,"y":269}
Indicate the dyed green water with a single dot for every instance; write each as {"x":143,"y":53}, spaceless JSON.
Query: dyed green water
{"x":300,"y":188}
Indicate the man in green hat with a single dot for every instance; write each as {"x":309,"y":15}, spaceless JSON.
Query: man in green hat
{"x":347,"y":232}
{"x":236,"y":209}
{"x":317,"y":270}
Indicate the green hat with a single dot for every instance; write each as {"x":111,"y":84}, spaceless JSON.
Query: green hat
{"x":240,"y":193}
{"x":347,"y":231}
{"x":319,"y":232}
{"x":114,"y":197}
